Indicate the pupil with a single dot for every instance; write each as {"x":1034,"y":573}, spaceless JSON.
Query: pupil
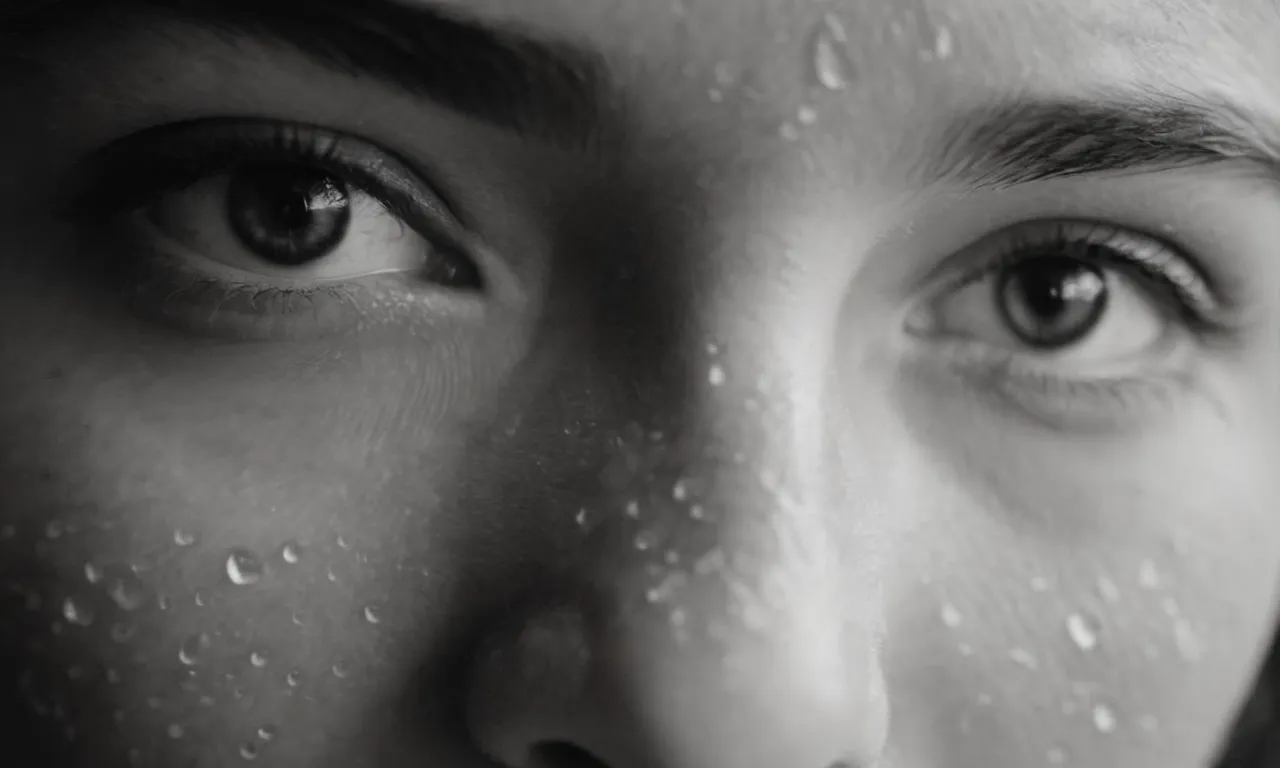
{"x":1052,"y":302}
{"x":288,"y":215}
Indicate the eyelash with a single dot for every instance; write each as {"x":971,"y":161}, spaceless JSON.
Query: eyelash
{"x":1175,"y":279}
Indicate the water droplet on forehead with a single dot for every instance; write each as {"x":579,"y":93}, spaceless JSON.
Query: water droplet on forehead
{"x":193,"y":649}
{"x":829,"y":54}
{"x":1104,"y":718}
{"x":1083,"y":631}
{"x":291,"y":552}
{"x":77,"y":612}
{"x":243,"y":567}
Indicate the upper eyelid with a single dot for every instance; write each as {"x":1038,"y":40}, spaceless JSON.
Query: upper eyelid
{"x":236,"y":137}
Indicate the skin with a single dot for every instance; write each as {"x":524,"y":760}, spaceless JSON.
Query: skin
{"x":707,"y":314}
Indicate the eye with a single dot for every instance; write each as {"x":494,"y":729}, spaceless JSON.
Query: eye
{"x":1073,"y":294}
{"x":263,"y":228}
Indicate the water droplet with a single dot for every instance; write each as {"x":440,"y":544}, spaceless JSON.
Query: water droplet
{"x":293,"y":678}
{"x":1108,"y":590}
{"x":951,"y":616}
{"x":291,"y":552}
{"x":77,"y":612}
{"x":249,"y":750}
{"x":1188,"y":643}
{"x":193,"y":649}
{"x":267,"y":732}
{"x":830,"y":55}
{"x":1104,"y":718}
{"x":965,"y":649}
{"x":716,"y":376}
{"x":258,"y":659}
{"x":807,"y":115}
{"x":1148,"y":575}
{"x":1083,"y":631}
{"x":943,"y":43}
{"x":176,"y":731}
{"x":1149,"y":723}
{"x":342,"y":543}
{"x":122,"y":632}
{"x":371,"y":615}
{"x":184,"y":538}
{"x":645,"y":540}
{"x":789,"y":132}
{"x":1056,"y":756}
{"x":581,"y":517}
{"x":54,"y":529}
{"x":633,"y":509}
{"x":163,"y":602}
{"x":1039,"y":584}
{"x":127,"y":591}
{"x":340,"y":669}
{"x":698,"y":512}
{"x":680,"y":491}
{"x":1022,"y":657}
{"x":201,"y":598}
{"x":93,"y":573}
{"x":243,"y":567}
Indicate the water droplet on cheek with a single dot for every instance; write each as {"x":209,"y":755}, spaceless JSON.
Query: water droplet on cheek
{"x":77,"y":612}
{"x":1083,"y":631}
{"x":244,"y":567}
{"x":291,"y":552}
{"x":829,"y":54}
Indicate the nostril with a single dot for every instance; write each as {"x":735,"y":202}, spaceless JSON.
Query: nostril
{"x":562,"y":754}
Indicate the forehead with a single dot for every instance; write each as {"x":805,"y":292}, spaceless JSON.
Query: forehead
{"x":1056,"y":40}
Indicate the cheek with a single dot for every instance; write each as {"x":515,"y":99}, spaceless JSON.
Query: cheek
{"x":1126,"y":641}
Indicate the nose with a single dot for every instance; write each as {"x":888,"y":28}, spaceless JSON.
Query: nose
{"x":709,"y":624}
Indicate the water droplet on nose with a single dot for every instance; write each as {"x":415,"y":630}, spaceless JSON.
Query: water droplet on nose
{"x":371,"y":615}
{"x":716,"y":376}
{"x":258,"y":659}
{"x":829,"y":54}
{"x":77,"y":612}
{"x":127,"y":591}
{"x":943,"y":43}
{"x":291,"y":552}
{"x":1148,"y":575}
{"x":176,"y":731}
{"x":93,"y":573}
{"x":1022,"y":657}
{"x":249,"y":750}
{"x":1104,"y":718}
{"x":243,"y":567}
{"x":950,"y":616}
{"x":184,"y":538}
{"x":193,"y":649}
{"x":1188,"y":643}
{"x":1083,"y":631}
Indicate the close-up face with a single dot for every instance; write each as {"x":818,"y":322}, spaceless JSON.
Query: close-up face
{"x":637,"y":383}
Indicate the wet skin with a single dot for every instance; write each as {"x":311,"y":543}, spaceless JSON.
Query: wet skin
{"x":723,"y":464}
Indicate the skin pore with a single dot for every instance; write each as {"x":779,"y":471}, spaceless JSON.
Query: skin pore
{"x":661,"y":405}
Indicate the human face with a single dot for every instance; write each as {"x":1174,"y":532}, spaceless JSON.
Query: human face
{"x":744,"y":384}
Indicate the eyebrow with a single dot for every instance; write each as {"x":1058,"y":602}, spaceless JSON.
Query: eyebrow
{"x":546,"y":89}
{"x":1021,"y":141}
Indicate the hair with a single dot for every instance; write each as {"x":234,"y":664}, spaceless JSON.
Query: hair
{"x":1254,"y":741}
